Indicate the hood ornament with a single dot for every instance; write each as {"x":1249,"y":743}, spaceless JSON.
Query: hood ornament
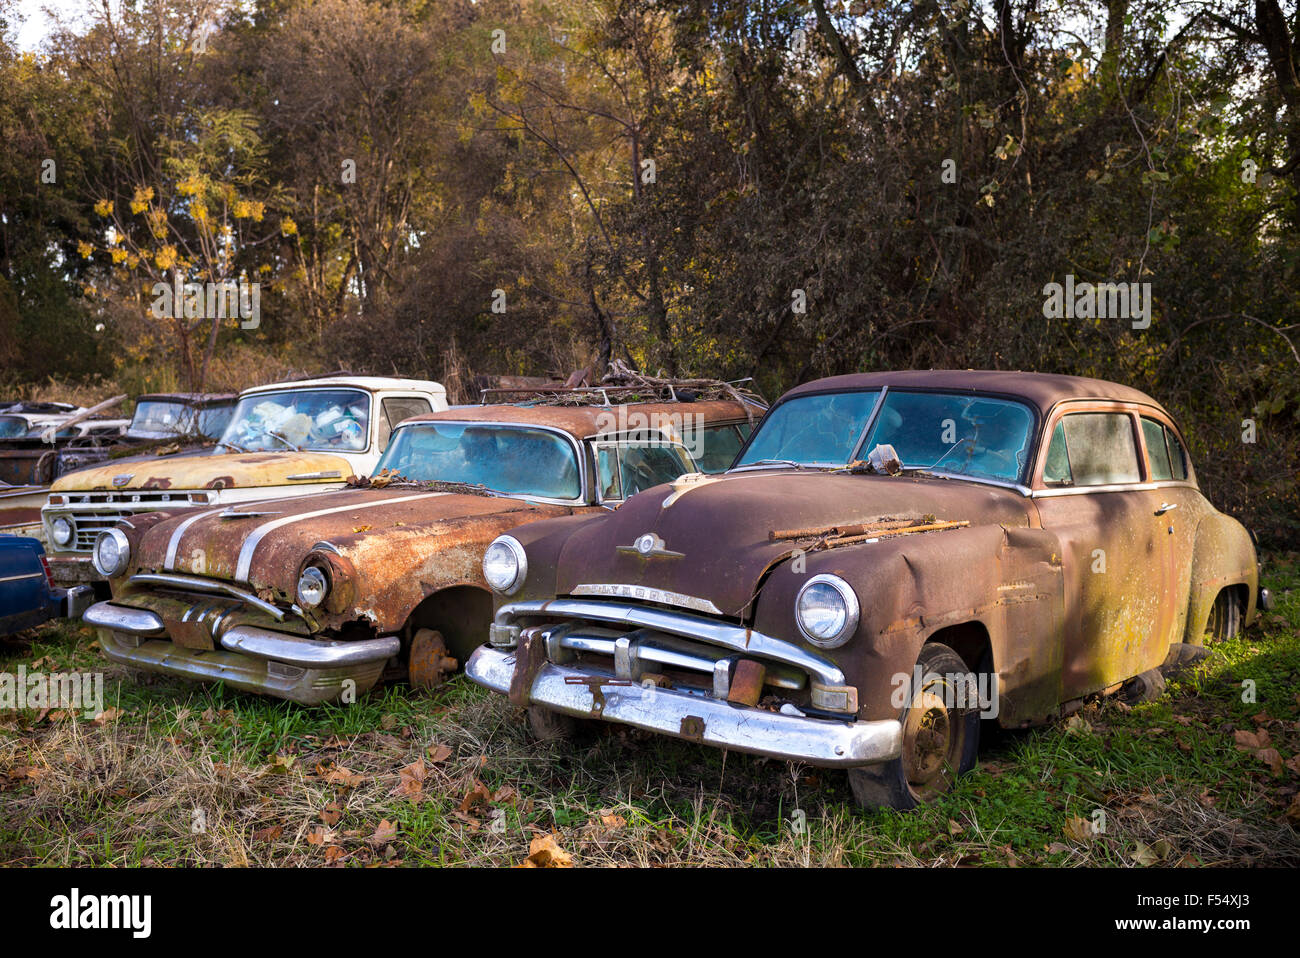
{"x":123,"y":479}
{"x":649,"y":546}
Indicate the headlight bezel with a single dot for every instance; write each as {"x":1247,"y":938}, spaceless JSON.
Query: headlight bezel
{"x":852,"y":611}
{"x":123,"y":553}
{"x":516,"y":550}
{"x":322,"y":574}
{"x":72,"y":531}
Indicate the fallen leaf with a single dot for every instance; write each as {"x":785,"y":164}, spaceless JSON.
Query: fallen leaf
{"x":385,"y":832}
{"x":1271,"y":758}
{"x":319,"y":836}
{"x":954,"y":827}
{"x":439,"y":753}
{"x":106,"y":716}
{"x":343,"y":777}
{"x":331,"y":814}
{"x":478,"y":795}
{"x":333,"y":853}
{"x":544,"y":852}
{"x":268,"y":834}
{"x":411,"y":780}
{"x":1079,"y":829}
{"x":1077,"y":725}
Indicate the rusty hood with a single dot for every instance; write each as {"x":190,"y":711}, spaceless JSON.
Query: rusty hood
{"x":714,"y":537}
{"x":230,"y":470}
{"x":379,"y":531}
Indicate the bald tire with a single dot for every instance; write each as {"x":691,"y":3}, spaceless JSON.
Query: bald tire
{"x":940,"y":744}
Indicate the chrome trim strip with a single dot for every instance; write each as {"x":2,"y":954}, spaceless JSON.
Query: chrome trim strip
{"x":197,"y":584}
{"x":647,"y":594}
{"x":324,"y":474}
{"x":871,"y":423}
{"x":25,"y":575}
{"x":680,"y":623}
{"x":173,"y":544}
{"x":823,"y":742}
{"x":308,"y":653}
{"x":121,"y":618}
{"x":1085,"y":490}
{"x":261,"y":532}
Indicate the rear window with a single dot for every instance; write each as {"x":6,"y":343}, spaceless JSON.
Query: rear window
{"x":1092,"y":449}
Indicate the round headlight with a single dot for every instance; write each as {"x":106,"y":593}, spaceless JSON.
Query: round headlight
{"x":826,"y":611}
{"x":504,"y":565}
{"x":61,"y":531}
{"x":312,"y":587}
{"x":111,"y":554}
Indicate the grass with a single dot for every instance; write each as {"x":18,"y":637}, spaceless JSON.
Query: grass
{"x":195,"y":775}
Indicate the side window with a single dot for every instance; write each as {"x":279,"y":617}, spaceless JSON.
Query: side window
{"x":718,"y":446}
{"x":1099,"y":448}
{"x":1057,"y":468}
{"x":607,"y":472}
{"x":1153,"y":434}
{"x":1177,"y":457}
{"x":394,"y":410}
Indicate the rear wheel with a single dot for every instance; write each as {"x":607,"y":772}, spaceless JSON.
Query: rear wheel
{"x":941,"y":729}
{"x":1225,"y":616}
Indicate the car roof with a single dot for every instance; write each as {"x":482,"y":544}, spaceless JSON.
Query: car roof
{"x":1043,"y":390}
{"x":584,"y":421}
{"x":192,"y":398}
{"x":369,"y":383}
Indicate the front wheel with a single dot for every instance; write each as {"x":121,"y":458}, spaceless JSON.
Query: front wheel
{"x":941,"y":731}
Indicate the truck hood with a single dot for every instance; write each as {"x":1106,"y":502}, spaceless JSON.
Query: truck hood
{"x":721,"y":527}
{"x":263,"y":544}
{"x":227,"y":471}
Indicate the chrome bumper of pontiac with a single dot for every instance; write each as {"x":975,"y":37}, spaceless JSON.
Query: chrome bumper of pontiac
{"x":308,"y":671}
{"x":698,"y":718}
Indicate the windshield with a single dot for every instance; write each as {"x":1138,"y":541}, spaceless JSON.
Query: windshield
{"x":12,"y":427}
{"x":155,"y":417}
{"x":964,"y":435}
{"x":821,"y":429}
{"x":327,"y":420}
{"x":511,"y":459}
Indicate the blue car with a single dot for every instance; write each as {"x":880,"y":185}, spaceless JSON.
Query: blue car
{"x":27,"y":594}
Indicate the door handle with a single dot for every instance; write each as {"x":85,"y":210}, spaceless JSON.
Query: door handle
{"x":1165,"y":507}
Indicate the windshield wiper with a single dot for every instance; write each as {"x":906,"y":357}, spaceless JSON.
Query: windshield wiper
{"x":775,"y":462}
{"x":276,"y":435}
{"x":231,"y":445}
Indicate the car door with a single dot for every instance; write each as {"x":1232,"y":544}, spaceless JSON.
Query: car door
{"x":1091,"y":492}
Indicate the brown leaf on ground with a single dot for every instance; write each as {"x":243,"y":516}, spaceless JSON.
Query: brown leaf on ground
{"x":106,"y":716}
{"x":343,"y":777}
{"x":545,"y":852}
{"x":385,"y":832}
{"x":268,"y":834}
{"x":439,"y":753}
{"x":333,"y":853}
{"x":1250,"y":741}
{"x":1078,"y":829}
{"x":478,"y":795}
{"x":320,"y":836}
{"x":411,"y":780}
{"x":331,"y":814}
{"x":1293,"y":811}
{"x":955,"y":827}
{"x":1271,"y":758}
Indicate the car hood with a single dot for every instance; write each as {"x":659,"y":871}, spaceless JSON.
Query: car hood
{"x":227,"y":471}
{"x":263,"y":544}
{"x":721,"y":527}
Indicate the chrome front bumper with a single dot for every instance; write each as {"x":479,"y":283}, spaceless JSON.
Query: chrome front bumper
{"x":824,"y":742}
{"x":303,"y":670}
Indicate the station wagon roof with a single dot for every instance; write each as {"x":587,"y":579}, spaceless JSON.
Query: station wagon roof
{"x":196,"y":399}
{"x":583,"y":421}
{"x":368,"y":383}
{"x":1043,"y":390}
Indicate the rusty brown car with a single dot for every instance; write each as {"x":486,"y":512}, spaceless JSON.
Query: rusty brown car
{"x":314,"y":598}
{"x":893,"y":557}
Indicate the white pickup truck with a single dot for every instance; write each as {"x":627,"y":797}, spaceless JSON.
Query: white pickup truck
{"x":284,"y":439}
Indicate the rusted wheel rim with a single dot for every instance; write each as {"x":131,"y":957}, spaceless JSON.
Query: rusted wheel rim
{"x":430,"y":663}
{"x":931,"y":742}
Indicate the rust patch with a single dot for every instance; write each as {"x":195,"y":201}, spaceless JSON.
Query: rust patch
{"x":530,"y":656}
{"x":747,"y":683}
{"x":430,"y":663}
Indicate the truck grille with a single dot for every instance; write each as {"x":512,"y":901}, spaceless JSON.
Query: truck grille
{"x":95,"y":512}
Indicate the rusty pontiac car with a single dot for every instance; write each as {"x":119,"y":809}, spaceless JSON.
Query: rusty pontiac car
{"x":892,"y":558}
{"x":315,"y":598}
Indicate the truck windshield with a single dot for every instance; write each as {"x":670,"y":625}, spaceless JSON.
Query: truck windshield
{"x":156,"y":418}
{"x":515,"y":460}
{"x":327,"y":420}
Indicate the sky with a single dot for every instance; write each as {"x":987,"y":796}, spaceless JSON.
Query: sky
{"x":37,"y":26}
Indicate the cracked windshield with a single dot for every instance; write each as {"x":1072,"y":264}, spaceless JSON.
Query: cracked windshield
{"x":963,"y":435}
{"x":527,"y":462}
{"x":328,"y":420}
